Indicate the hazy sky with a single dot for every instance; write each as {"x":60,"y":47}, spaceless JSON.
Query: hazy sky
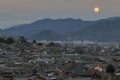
{"x":14,"y":12}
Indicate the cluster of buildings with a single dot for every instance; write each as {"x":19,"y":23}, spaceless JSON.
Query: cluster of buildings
{"x":58,"y":61}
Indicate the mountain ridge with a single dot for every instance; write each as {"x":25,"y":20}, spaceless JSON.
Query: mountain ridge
{"x":107,"y":29}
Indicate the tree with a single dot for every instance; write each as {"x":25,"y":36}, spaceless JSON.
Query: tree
{"x":34,"y":41}
{"x":9,"y":40}
{"x":2,"y":40}
{"x":110,"y":69}
{"x":51,"y":44}
{"x":40,"y":44}
{"x":23,"y":39}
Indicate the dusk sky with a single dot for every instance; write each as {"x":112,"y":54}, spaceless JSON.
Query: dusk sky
{"x":13,"y":12}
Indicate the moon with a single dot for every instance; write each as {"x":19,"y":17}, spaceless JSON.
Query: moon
{"x":96,"y":9}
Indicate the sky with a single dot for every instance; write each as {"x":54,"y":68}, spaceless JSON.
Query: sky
{"x":14,"y":12}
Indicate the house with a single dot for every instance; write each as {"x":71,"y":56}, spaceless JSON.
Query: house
{"x":39,"y":78}
{"x":21,"y":77}
{"x":79,"y":78}
{"x":7,"y":75}
{"x":86,"y":74}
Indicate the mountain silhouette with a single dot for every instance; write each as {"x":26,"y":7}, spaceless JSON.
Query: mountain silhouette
{"x":63,"y":29}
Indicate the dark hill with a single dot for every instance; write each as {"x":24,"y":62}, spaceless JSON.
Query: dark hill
{"x":68,"y":29}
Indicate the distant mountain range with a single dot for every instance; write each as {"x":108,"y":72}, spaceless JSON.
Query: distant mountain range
{"x":68,"y":29}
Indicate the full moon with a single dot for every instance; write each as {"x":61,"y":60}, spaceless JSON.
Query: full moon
{"x":96,"y":9}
